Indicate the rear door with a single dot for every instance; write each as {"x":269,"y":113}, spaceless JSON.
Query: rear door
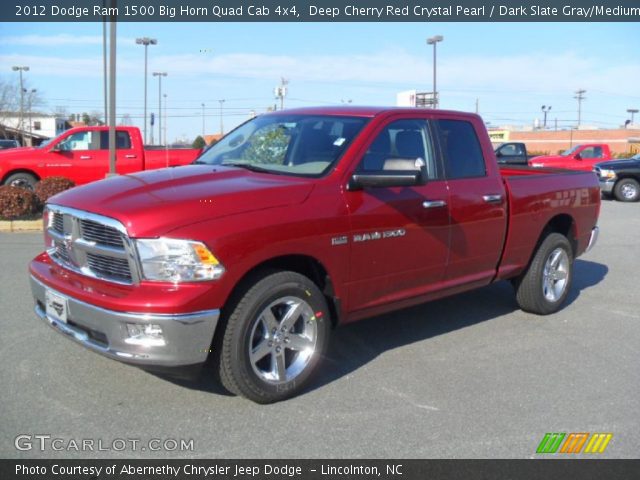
{"x":399,"y":235}
{"x":128,"y":159}
{"x":477,"y":203}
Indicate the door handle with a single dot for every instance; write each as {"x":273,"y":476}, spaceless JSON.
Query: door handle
{"x":129,"y":156}
{"x":434,"y":203}
{"x":85,"y":157}
{"x":492,"y":198}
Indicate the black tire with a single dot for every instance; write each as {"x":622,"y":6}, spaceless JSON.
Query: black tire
{"x":627,"y":190}
{"x":296,"y":346}
{"x":540,"y":290}
{"x":22,"y":180}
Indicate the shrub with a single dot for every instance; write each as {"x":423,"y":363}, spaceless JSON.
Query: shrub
{"x":16,"y":202}
{"x":50,"y":186}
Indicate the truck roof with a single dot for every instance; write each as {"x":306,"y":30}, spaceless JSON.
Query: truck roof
{"x":360,"y":111}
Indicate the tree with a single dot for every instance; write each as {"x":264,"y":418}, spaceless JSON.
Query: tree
{"x":199,"y":142}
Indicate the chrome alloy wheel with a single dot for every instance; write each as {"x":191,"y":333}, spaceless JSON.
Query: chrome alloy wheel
{"x":628,"y":191}
{"x":21,"y":183}
{"x":555,"y":275}
{"x":283,"y":340}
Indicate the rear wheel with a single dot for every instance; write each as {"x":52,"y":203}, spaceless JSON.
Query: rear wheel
{"x":22,"y":180}
{"x":627,"y":190}
{"x":545,"y":285}
{"x":274,"y":338}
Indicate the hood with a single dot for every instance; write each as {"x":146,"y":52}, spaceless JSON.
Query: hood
{"x":155,"y":202}
{"x":549,"y":158}
{"x":16,"y":152}
{"x":620,"y":163}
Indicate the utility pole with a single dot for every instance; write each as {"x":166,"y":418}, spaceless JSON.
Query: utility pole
{"x":477,"y":105}
{"x":21,"y":120}
{"x":580,"y":97}
{"x":165,"y":119}
{"x":29,"y":101}
{"x":221,"y":124}
{"x":146,"y":41}
{"x":159,"y":75}
{"x":112,"y":90}
{"x":281,"y":91}
{"x":202,"y":120}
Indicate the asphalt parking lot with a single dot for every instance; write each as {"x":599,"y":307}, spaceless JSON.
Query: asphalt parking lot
{"x":466,"y":377}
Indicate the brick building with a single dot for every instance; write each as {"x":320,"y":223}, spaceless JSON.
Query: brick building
{"x":620,"y":141}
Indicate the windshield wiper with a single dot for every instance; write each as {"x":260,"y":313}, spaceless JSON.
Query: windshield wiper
{"x":248,"y":166}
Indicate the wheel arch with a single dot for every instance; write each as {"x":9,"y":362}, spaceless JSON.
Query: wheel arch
{"x":20,"y":170}
{"x":305,"y":265}
{"x":563,"y":224}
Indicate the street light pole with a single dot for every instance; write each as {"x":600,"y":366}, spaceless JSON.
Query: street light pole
{"x":545,"y":110}
{"x":29,"y":102}
{"x":580,"y":97}
{"x":434,"y":41}
{"x":21,"y":121}
{"x":632,"y":111}
{"x":221,"y":124}
{"x":146,"y":41}
{"x":160,"y":75}
{"x":165,"y":119}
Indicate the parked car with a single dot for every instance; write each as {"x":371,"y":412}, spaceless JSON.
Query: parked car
{"x":6,"y":144}
{"x":294,"y":223}
{"x":620,"y":178}
{"x":82,"y":154}
{"x":580,"y":157}
{"x":512,"y":153}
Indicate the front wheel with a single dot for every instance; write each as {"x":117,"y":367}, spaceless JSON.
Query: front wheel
{"x":22,"y":180}
{"x":274,"y":338}
{"x":627,"y":190}
{"x":543,"y":288}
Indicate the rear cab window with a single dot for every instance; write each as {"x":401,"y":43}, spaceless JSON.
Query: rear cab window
{"x":461,"y":149}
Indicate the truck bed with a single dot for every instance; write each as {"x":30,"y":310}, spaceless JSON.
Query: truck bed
{"x":538,"y":196}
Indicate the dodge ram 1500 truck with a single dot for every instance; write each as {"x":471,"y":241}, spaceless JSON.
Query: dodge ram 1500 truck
{"x":580,"y":157}
{"x":82,"y":154}
{"x":298,"y":221}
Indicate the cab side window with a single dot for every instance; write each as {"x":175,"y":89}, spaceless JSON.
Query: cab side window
{"x":461,"y":149}
{"x":402,"y":145}
{"x":77,"y":141}
{"x":123,"y":140}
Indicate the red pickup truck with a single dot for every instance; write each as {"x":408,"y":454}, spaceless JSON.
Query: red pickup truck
{"x":82,"y":155}
{"x":581,"y":157}
{"x":296,"y":222}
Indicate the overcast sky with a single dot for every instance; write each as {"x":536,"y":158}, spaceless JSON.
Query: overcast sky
{"x":511,"y":69}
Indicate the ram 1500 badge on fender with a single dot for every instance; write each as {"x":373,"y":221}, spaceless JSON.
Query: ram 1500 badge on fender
{"x":294,"y":223}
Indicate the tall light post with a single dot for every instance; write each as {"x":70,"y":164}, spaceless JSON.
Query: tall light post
{"x":580,"y":97}
{"x":202,"y":105}
{"x":146,"y":41}
{"x":434,"y":41}
{"x":221,"y":123}
{"x":21,"y":121}
{"x":165,"y":119}
{"x":159,"y":75}
{"x":29,"y":102}
{"x":545,"y":110}
{"x":632,"y":111}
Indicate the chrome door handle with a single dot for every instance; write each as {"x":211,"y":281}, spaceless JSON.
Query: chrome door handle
{"x":85,"y":157}
{"x":129,"y":156}
{"x":434,"y":203}
{"x":492,"y":198}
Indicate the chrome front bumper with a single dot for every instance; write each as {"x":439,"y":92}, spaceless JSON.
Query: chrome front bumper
{"x":187,"y":337}
{"x":606,"y":186}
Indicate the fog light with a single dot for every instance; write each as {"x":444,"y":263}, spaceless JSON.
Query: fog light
{"x":148,"y":335}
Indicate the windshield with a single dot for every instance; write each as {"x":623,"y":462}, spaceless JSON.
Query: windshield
{"x":286,"y":144}
{"x":571,"y":151}
{"x":636,"y":156}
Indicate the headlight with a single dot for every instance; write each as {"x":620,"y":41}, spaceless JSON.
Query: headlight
{"x":607,"y":174}
{"x":171,"y":260}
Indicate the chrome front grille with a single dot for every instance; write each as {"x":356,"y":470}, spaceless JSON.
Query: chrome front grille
{"x":91,"y":244}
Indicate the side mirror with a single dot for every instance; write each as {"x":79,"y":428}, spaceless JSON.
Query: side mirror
{"x":55,"y":148}
{"x":577,"y":156}
{"x":499,"y":154}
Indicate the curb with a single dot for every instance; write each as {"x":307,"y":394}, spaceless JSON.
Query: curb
{"x":8,"y":226}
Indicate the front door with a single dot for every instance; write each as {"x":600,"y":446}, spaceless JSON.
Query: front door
{"x":399,"y":235}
